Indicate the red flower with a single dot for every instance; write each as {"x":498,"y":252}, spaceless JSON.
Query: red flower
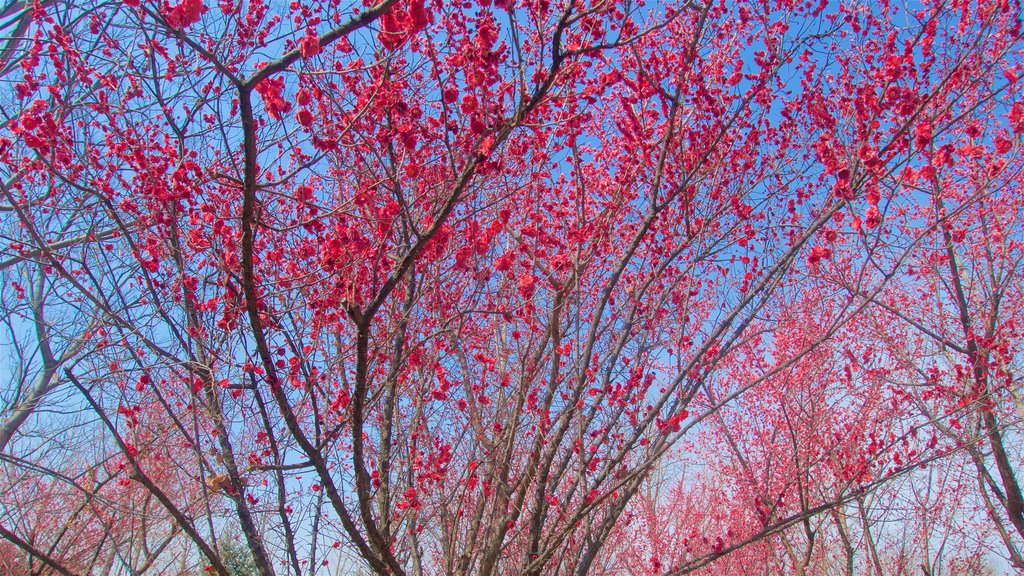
{"x":400,"y":23}
{"x":1002,"y":145}
{"x":1017,"y":117}
{"x":872,"y":218}
{"x":923,"y":132}
{"x":270,"y":91}
{"x":818,"y":253}
{"x":185,"y":14}
{"x":309,"y":46}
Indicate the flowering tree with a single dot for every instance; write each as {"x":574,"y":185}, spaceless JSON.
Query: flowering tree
{"x":434,"y":287}
{"x":826,"y":468}
{"x":951,"y":324}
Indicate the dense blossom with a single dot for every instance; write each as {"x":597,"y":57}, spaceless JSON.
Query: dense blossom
{"x":184,"y":14}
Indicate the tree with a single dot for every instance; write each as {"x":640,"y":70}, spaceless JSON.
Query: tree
{"x":957,"y":299}
{"x":825,"y":468}
{"x":437,"y":286}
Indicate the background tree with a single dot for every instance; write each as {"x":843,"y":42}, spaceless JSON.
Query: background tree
{"x":950,"y":323}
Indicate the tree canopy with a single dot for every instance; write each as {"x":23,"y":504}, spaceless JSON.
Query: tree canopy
{"x":496,"y":287}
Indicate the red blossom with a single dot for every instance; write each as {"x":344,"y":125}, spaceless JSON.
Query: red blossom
{"x":309,"y":46}
{"x":872,"y":218}
{"x":401,"y":22}
{"x":818,"y":253}
{"x":270,"y":90}
{"x":184,"y":14}
{"x":1016,"y":117}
